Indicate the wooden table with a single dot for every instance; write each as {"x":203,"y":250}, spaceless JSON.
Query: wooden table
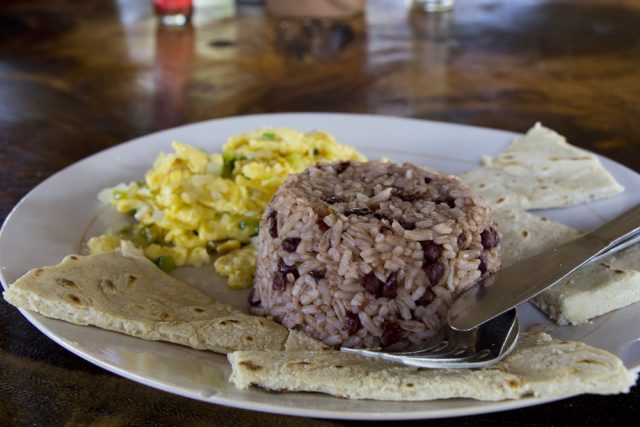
{"x":78,"y":77}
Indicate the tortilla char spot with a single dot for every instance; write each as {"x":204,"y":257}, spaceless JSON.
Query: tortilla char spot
{"x":525,"y":233}
{"x":164,"y":316}
{"x":500,"y":200}
{"x":544,"y":187}
{"x":38,"y":272}
{"x":591,"y":362}
{"x":338,"y":366}
{"x":131,"y":280}
{"x":252,"y":366}
{"x":482,"y":185}
{"x":198,"y":310}
{"x":233,"y":321}
{"x":409,"y":385}
{"x":544,"y":219}
{"x":248,"y":338}
{"x":74,"y":299}
{"x":107,"y":286}
{"x":65,"y":282}
{"x":294,"y":364}
{"x":618,"y":271}
{"x":260,"y":322}
{"x":223,"y":322}
{"x":513,"y":383}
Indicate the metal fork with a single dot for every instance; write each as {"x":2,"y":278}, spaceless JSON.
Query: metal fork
{"x":483,"y":346}
{"x":491,"y":340}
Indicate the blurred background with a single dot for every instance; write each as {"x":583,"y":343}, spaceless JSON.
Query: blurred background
{"x":77,"y":77}
{"x":109,"y":70}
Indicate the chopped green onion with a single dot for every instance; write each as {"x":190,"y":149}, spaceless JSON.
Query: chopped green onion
{"x":251,"y":224}
{"x":316,"y":151}
{"x":139,"y":184}
{"x":148,"y":234}
{"x":127,"y":229}
{"x":132,"y":212}
{"x":117,"y":195}
{"x":165,"y":263}
{"x":269,"y":136}
{"x":228,"y":163}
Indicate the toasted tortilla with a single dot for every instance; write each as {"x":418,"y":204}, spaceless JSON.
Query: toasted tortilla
{"x":594,"y":290}
{"x":123,"y":291}
{"x":539,"y":366}
{"x":590,"y":292}
{"x":541,"y":170}
{"x":525,"y":234}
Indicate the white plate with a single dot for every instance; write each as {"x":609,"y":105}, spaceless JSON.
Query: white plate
{"x":54,"y":218}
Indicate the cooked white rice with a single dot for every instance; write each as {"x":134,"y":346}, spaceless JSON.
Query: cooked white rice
{"x":371,"y":254}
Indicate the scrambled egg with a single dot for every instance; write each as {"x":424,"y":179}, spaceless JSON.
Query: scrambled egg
{"x":194,"y":206}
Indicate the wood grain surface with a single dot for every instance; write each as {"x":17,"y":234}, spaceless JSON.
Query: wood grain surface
{"x":77,"y":77}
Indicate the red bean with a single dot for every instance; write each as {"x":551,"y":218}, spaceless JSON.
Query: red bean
{"x":357,"y":211}
{"x":462,"y":238}
{"x":290,"y":244}
{"x":426,"y":298}
{"x":381,"y":216}
{"x":391,"y":333}
{"x":279,"y":281}
{"x":408,"y":197}
{"x":407,"y":225}
{"x":390,"y":288}
{"x":371,"y":284}
{"x":334,"y":199}
{"x":323,"y":225}
{"x":342,"y":166}
{"x":489,"y":238}
{"x":273,"y":224}
{"x":253,"y":302}
{"x":434,"y":272}
{"x":286,"y":269}
{"x":352,"y":323}
{"x":483,"y":266}
{"x":317,"y":274}
{"x":431,"y":251}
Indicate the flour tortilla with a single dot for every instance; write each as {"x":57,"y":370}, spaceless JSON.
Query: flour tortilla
{"x":525,"y":234}
{"x":124,"y":292}
{"x":539,"y":366}
{"x":592,"y":291}
{"x":541,"y":170}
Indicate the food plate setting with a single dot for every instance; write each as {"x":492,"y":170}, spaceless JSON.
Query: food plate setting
{"x":58,"y":217}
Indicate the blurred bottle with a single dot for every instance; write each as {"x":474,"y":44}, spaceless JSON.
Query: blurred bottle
{"x":174,"y":52}
{"x":173,"y":12}
{"x":315,"y":8}
{"x":433,"y":5}
{"x":316,"y":29}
